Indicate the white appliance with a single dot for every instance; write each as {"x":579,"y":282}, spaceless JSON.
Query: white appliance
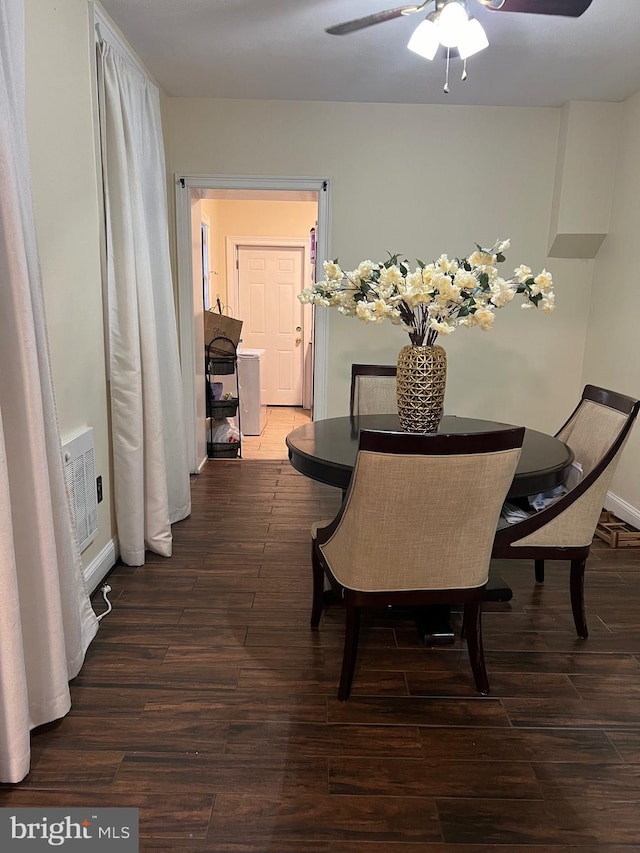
{"x":253,"y":412}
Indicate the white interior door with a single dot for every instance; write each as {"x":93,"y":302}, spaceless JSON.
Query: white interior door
{"x":269,"y":281}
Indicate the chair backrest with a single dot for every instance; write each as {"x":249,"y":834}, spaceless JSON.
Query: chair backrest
{"x":596,"y":431}
{"x":373,"y":389}
{"x":421,"y":510}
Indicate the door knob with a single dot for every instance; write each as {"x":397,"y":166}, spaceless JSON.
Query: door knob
{"x":298,"y":340}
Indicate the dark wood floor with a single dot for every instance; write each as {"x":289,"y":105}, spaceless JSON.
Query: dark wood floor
{"x":208,"y":703}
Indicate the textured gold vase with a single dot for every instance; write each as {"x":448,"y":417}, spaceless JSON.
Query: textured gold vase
{"x":421,"y":381}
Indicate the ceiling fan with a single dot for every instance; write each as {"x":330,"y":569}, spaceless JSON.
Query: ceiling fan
{"x":449,"y":25}
{"x":566,"y":8}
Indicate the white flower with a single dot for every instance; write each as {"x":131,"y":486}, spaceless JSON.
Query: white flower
{"x":365,"y":268}
{"x":332,"y":271}
{"x":465,"y":280}
{"x":548,"y":303}
{"x":379,"y":308}
{"x":484,"y":318}
{"x":502,"y":292}
{"x":482,"y":259}
{"x":544,"y":281}
{"x":390,"y":275}
{"x":522,"y":273}
{"x":442,"y":327}
{"x":444,"y":264}
{"x":363,"y":312}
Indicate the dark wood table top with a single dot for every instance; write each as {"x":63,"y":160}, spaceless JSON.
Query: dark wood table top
{"x":326,"y":450}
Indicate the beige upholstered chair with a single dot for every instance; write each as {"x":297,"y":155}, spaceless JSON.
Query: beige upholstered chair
{"x":416,"y":528}
{"x":373,"y":389}
{"x":596,"y":432}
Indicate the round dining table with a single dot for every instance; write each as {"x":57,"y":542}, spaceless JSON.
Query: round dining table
{"x":326,"y":450}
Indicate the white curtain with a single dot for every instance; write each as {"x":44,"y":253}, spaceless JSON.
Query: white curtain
{"x":151,"y":472}
{"x":46,"y":620}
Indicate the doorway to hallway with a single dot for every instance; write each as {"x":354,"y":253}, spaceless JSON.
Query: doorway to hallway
{"x":299,"y":357}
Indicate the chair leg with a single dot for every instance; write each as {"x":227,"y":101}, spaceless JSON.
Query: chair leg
{"x":539,"y":570}
{"x":318,"y":586}
{"x":576,"y":583}
{"x":351,"y":637}
{"x":473,"y":633}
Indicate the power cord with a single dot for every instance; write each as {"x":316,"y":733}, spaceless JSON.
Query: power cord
{"x":105,"y":589}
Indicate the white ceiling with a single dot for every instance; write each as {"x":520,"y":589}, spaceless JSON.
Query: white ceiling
{"x":277,"y":49}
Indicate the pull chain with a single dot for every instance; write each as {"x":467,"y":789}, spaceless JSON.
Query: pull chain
{"x":464,"y":70}
{"x":446,"y":79}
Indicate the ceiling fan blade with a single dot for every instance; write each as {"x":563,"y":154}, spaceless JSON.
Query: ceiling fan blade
{"x":568,"y":8}
{"x":370,"y":20}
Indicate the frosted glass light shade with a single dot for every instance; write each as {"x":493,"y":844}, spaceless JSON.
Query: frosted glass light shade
{"x":472,"y":39}
{"x":451,"y":22}
{"x":425,"y":40}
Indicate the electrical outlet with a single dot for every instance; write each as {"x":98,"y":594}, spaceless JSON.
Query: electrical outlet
{"x":99,"y":488}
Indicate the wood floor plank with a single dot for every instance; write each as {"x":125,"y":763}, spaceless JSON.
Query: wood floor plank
{"x":536,"y":685}
{"x":301,"y":739}
{"x":512,"y":822}
{"x":411,"y":777}
{"x":197,"y":772}
{"x":413,"y":711}
{"x":535,"y":744}
{"x":240,"y":705}
{"x":243,"y":818}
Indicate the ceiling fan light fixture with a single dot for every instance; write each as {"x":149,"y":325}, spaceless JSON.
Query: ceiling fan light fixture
{"x":425,"y":39}
{"x":472,"y":39}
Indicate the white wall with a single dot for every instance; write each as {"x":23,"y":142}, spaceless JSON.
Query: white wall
{"x":63,"y":164}
{"x":612,"y":356}
{"x":420,"y":180}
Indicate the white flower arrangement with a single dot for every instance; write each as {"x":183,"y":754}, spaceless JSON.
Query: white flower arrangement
{"x":433,"y":299}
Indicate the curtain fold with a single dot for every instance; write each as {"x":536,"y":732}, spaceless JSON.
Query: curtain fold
{"x":151,"y":472}
{"x":46,"y":620}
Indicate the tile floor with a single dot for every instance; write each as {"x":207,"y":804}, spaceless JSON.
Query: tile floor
{"x":270,"y":445}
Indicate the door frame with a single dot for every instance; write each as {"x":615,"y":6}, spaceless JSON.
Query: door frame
{"x":232,"y":244}
{"x":184,"y":184}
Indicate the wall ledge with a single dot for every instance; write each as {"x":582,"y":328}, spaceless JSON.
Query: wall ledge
{"x":576,"y":245}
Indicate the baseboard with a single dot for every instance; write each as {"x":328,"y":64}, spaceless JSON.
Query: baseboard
{"x":623,"y":510}
{"x":101,"y":565}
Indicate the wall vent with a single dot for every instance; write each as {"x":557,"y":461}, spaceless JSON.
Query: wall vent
{"x":78,"y":457}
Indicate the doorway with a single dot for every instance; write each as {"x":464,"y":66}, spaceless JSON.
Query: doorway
{"x":276,"y":262}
